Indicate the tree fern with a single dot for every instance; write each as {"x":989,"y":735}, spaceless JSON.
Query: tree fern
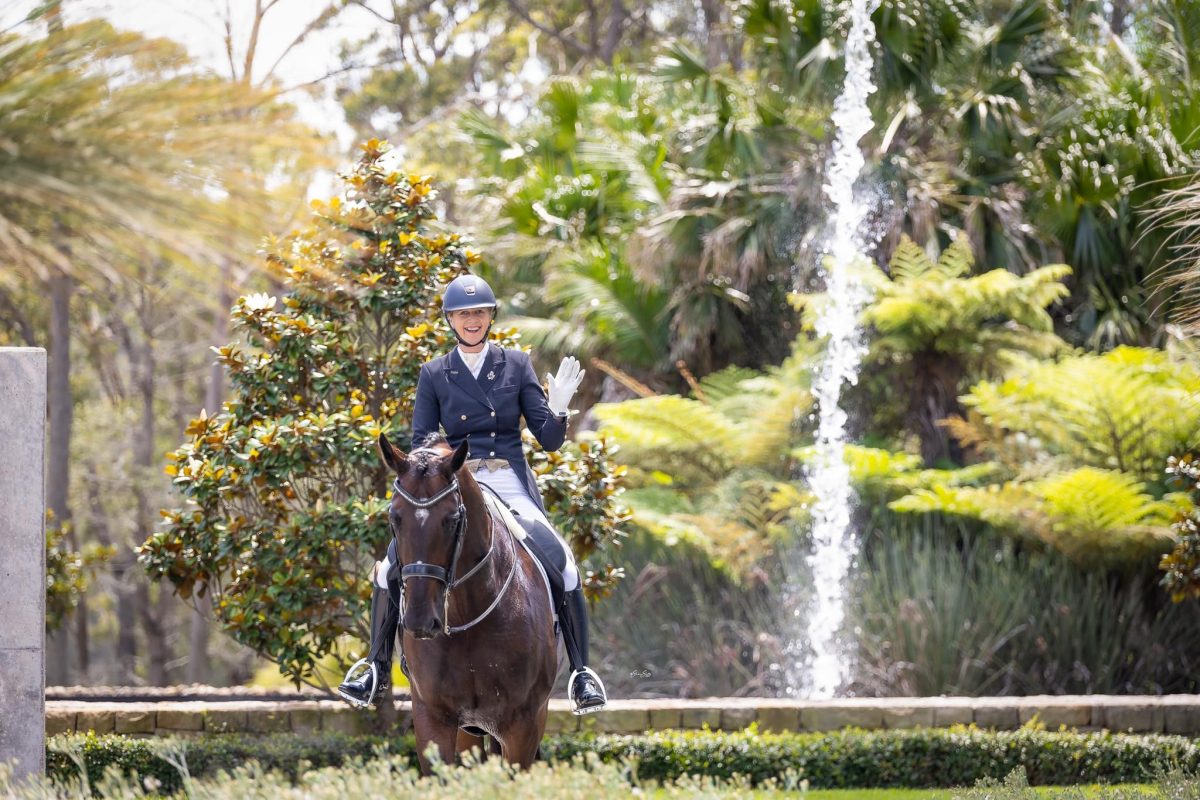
{"x":1099,"y":518}
{"x":1090,"y":499}
{"x":933,"y":327}
{"x":726,"y":383}
{"x":957,"y":259}
{"x":686,"y":439}
{"x":1129,"y":409}
{"x":725,"y":459}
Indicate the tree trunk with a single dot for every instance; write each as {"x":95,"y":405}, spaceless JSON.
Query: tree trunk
{"x":124,"y":563}
{"x":715,"y":45}
{"x":98,"y":527}
{"x":54,"y":22}
{"x":124,"y":570}
{"x":1118,"y":18}
{"x":58,"y":462}
{"x":157,"y":652}
{"x":198,"y":666}
{"x":618,"y":18}
{"x":934,"y":397}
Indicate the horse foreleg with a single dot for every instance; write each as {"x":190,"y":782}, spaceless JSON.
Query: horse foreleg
{"x":521,"y":740}
{"x":442,"y":733}
{"x":466,"y":741}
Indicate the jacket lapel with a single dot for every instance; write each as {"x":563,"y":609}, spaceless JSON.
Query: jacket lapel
{"x":462,"y":376}
{"x":493,"y":368}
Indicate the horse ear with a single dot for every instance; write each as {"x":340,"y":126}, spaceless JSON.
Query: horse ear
{"x":392,"y":456}
{"x":460,"y":457}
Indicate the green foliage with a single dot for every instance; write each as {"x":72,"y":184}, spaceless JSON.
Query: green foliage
{"x":292,"y":766}
{"x":941,"y":307}
{"x":725,"y":458}
{"x":581,"y":485}
{"x":1077,"y":446}
{"x":586,"y":165}
{"x":913,"y":758}
{"x":934,"y":328}
{"x":67,"y":573}
{"x":944,"y":606}
{"x":689,"y":440}
{"x":880,"y":475}
{"x":1128,"y":410}
{"x":147,"y":149}
{"x":1122,"y":144}
{"x":1175,"y":785}
{"x":1182,"y":564}
{"x":149,"y":761}
{"x":1098,"y":518}
{"x":921,"y":307}
{"x":1024,"y":124}
{"x":687,"y":622}
{"x":284,"y":490}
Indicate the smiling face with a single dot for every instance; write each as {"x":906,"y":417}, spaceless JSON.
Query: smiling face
{"x":471,"y":325}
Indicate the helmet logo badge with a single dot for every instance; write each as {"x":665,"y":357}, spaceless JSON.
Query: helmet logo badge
{"x":469,"y":288}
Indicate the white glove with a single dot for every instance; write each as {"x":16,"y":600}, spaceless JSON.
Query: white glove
{"x":563,"y":385}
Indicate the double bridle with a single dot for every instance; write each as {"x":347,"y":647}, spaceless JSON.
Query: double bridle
{"x":419,"y":569}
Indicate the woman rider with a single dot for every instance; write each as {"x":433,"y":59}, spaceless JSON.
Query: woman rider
{"x":479,"y":392}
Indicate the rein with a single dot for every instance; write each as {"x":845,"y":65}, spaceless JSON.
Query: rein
{"x":446,"y":576}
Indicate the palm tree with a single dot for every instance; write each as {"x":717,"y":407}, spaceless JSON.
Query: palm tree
{"x":744,"y":201}
{"x":569,"y":186}
{"x":1028,"y":124}
{"x":601,"y":310}
{"x":117,"y":154}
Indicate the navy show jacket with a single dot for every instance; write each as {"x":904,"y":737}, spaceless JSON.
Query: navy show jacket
{"x":487,"y":411}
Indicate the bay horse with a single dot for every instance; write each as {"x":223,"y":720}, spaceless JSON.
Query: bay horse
{"x":477,"y":622}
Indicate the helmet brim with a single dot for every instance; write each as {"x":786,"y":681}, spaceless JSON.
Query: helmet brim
{"x":468,"y":308}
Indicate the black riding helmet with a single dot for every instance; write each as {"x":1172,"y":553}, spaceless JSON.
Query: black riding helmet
{"x":468,"y":291}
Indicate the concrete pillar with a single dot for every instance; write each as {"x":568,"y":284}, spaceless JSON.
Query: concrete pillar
{"x":22,"y":558}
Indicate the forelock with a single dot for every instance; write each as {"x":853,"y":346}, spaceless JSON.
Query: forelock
{"x":426,"y":460}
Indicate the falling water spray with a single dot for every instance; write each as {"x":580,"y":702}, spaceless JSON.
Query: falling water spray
{"x":829,"y":477}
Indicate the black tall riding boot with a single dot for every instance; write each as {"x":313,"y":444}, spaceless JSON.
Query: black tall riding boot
{"x":377,"y":678}
{"x":584,"y":687}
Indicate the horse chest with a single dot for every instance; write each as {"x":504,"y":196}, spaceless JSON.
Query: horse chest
{"x":462,"y":677}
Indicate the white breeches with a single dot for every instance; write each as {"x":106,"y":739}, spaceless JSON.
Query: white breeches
{"x":504,"y":482}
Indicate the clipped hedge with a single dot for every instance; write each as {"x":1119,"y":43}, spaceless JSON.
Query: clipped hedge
{"x":919,"y":759}
{"x":929,"y":758}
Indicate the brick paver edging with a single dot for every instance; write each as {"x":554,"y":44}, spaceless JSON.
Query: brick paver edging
{"x":1176,"y":714}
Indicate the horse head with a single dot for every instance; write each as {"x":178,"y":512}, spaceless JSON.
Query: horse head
{"x":428,"y":519}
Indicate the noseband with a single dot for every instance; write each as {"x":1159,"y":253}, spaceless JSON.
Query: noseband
{"x":419,"y":569}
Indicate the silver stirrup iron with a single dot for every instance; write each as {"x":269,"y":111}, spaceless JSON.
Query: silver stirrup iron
{"x":571,"y":693}
{"x":374,"y":684}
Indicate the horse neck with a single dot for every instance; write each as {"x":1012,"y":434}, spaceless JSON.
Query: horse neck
{"x":473,"y":596}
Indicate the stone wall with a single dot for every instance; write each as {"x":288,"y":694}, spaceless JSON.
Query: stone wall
{"x":1177,"y":714}
{"x":22,"y":557}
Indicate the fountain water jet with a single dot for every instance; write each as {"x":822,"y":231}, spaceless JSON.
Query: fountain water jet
{"x":832,"y":539}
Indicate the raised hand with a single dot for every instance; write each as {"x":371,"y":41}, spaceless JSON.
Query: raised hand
{"x":564,"y":384}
